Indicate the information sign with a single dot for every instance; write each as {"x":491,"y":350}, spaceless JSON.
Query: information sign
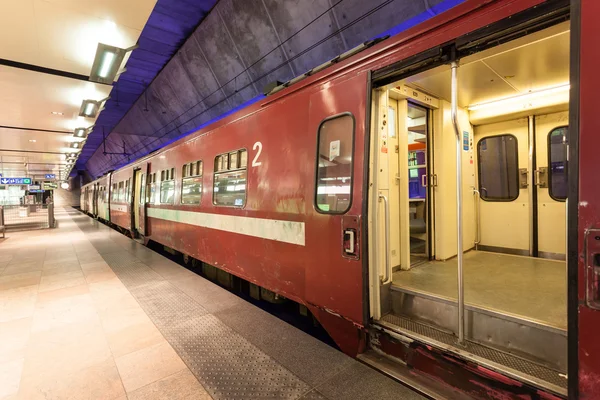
{"x":50,"y":176}
{"x":15,"y":181}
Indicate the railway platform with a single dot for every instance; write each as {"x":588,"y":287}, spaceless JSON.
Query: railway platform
{"x":86,"y":313}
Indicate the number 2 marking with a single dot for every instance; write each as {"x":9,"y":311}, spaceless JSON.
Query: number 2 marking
{"x":255,"y":162}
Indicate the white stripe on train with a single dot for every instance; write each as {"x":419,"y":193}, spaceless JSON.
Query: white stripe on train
{"x":271,"y":229}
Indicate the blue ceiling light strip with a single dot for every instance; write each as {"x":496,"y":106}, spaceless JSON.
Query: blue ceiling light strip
{"x":424,"y":16}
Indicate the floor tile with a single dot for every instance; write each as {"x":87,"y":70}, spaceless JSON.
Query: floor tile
{"x":60,"y":284}
{"x":54,"y":295}
{"x":60,"y":268}
{"x":20,"y":280}
{"x":133,"y":338}
{"x":61,"y":351}
{"x":64,"y":311}
{"x":22,"y":268}
{"x":97,"y":382}
{"x":180,"y":386}
{"x":117,"y":318}
{"x":14,"y":336}
{"x":98,"y":274}
{"x":10,"y":377}
{"x":17,"y":303}
{"x":148,"y":365}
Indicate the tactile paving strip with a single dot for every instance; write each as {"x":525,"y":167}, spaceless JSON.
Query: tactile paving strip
{"x":226,"y":364}
{"x":496,"y":356}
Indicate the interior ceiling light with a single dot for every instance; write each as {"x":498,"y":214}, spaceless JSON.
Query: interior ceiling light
{"x":82,"y":133}
{"x":32,"y":140}
{"x":90,"y":108}
{"x":77,"y":145}
{"x":107,"y":62}
{"x":524,"y":100}
{"x":57,"y":113}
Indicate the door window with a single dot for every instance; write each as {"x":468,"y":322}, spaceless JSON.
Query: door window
{"x":557,"y":163}
{"x":335,"y":164}
{"x":498,"y":168}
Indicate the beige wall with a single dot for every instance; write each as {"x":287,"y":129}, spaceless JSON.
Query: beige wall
{"x":445,"y":192}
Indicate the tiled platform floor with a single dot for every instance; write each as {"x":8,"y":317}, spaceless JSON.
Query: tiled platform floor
{"x":86,"y":313}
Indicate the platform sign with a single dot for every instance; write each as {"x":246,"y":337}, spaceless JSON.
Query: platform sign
{"x":34,"y":187}
{"x":36,"y":191}
{"x":50,"y":176}
{"x":15,"y":181}
{"x":49,"y":185}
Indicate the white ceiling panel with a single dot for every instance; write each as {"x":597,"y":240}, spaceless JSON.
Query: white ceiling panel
{"x":64,"y":34}
{"x":28,"y":98}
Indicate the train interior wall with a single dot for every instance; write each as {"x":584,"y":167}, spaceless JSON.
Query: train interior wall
{"x":513,"y":117}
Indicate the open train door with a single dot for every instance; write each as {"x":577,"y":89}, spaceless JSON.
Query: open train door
{"x":139,"y":199}
{"x":584,"y":203}
{"x":336,"y":126}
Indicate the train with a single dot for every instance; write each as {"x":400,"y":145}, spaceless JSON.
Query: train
{"x":401,"y":163}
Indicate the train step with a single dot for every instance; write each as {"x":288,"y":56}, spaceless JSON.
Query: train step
{"x":531,"y":340}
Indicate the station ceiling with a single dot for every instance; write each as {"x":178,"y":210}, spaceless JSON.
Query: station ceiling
{"x":196,"y":60}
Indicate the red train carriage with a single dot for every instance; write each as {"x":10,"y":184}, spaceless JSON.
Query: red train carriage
{"x":340,"y":191}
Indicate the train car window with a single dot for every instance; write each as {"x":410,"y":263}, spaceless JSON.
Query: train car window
{"x":151,"y":188}
{"x":167,"y":186}
{"x":127,"y":197}
{"x":191,"y":183}
{"x":557,"y":163}
{"x":121,"y":192}
{"x":230,"y":179}
{"x":498,"y":167}
{"x":335,"y":164}
{"x":142,"y":189}
{"x":113,"y":192}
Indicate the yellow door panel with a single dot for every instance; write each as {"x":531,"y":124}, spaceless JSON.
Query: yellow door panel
{"x":551,"y":212}
{"x":505,"y":224}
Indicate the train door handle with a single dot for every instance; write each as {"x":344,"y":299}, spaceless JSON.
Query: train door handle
{"x":349,"y":242}
{"x":424,"y":180}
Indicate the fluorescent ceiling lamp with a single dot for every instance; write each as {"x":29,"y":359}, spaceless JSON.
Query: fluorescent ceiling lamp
{"x":64,"y":185}
{"x":77,"y":145}
{"x":523,"y":100}
{"x":107,"y":62}
{"x":81,"y":132}
{"x":90,"y":108}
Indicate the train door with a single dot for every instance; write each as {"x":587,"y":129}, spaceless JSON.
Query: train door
{"x":551,"y":133}
{"x":504,"y":204}
{"x":139,"y":200}
{"x":136,"y":199}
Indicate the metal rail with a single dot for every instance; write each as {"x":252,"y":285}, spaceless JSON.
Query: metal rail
{"x":387,"y":278}
{"x":477,"y":195}
{"x":459,"y":201}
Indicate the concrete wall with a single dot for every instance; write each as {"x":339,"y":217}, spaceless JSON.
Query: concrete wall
{"x":239,"y":47}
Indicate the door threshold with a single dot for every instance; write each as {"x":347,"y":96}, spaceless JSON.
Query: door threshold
{"x":504,"y":363}
{"x":401,"y":373}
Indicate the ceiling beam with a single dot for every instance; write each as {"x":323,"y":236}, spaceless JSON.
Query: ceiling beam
{"x":31,"y":129}
{"x":44,"y":70}
{"x":31,"y":151}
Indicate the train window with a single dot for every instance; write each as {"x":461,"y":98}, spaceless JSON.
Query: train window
{"x":127,"y":190}
{"x":230,"y":179}
{"x":557,"y":163}
{"x":334,"y":164}
{"x":113,"y":192}
{"x":151,"y":188}
{"x":121,"y":191}
{"x":142,"y":189}
{"x":191,"y":183}
{"x":167,"y":186}
{"x":498,"y":167}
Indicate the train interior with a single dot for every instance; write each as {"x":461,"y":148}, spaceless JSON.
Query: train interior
{"x":513,"y":121}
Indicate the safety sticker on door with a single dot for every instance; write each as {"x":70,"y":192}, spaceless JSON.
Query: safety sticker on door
{"x":465,"y":141}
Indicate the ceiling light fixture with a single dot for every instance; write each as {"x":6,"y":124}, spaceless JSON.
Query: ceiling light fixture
{"x":32,"y":140}
{"x":91,"y":108}
{"x":57,"y":113}
{"x":107,"y":62}
{"x":522,"y":100}
{"x":82,"y":133}
{"x":77,"y":145}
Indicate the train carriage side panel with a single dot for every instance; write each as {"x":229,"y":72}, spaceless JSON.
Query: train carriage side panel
{"x":120,"y":197}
